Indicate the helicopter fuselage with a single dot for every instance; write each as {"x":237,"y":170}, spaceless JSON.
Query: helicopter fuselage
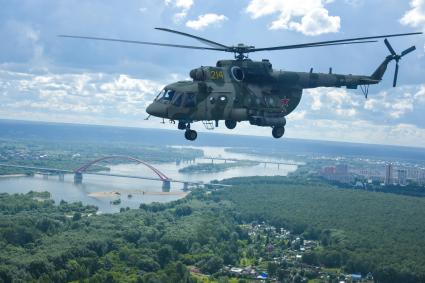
{"x":243,"y":90}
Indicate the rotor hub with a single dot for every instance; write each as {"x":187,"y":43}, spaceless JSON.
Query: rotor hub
{"x":241,"y":50}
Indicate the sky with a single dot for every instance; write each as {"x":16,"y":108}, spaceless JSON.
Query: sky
{"x":47,"y":78}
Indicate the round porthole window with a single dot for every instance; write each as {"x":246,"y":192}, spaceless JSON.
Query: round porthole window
{"x":223,"y":98}
{"x":237,"y":73}
{"x":212,"y":100}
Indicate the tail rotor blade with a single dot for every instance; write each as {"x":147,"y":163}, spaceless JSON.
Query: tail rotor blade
{"x":390,"y":48}
{"x":395,"y":75}
{"x":407,"y":51}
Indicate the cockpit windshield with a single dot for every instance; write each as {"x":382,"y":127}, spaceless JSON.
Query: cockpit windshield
{"x":166,"y":95}
{"x":179,"y":99}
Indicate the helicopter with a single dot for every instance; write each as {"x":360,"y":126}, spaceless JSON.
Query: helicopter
{"x":245,"y":90}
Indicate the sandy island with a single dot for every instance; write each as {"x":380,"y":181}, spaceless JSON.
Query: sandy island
{"x":135,"y":192}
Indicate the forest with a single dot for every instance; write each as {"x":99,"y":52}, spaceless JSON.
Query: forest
{"x":360,"y":231}
{"x":44,"y":242}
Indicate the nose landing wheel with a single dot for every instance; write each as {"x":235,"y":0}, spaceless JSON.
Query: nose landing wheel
{"x":278,"y":132}
{"x":230,"y":124}
{"x":190,"y":135}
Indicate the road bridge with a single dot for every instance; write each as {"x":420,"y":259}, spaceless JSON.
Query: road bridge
{"x":265,"y":162}
{"x":78,"y":173}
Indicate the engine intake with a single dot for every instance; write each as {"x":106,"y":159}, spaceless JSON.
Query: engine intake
{"x":198,"y":74}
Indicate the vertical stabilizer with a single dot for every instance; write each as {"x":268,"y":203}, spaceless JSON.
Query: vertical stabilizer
{"x":380,"y":71}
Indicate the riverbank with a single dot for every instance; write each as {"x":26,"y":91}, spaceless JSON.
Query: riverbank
{"x":13,"y":176}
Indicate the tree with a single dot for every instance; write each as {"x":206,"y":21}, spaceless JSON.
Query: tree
{"x":183,"y":210}
{"x":132,"y":235}
{"x":77,"y":216}
{"x":20,"y":235}
{"x":148,"y":264}
{"x":310,"y":258}
{"x":165,"y":255}
{"x":212,"y":265}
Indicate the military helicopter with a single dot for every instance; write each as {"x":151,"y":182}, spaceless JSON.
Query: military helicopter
{"x":245,"y":90}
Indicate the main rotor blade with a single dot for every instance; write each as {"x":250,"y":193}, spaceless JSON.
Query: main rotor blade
{"x":390,"y":48}
{"x":142,"y":42}
{"x":322,"y":43}
{"x":327,"y":44}
{"x":203,"y":40}
{"x":407,"y":51}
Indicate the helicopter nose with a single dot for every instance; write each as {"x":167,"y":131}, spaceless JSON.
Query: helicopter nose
{"x":157,"y":110}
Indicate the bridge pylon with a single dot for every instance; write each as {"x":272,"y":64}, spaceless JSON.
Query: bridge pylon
{"x":166,"y":186}
{"x":78,"y":177}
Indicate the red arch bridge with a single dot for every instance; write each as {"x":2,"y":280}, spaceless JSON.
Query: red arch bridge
{"x":83,"y":169}
{"x":78,"y":173}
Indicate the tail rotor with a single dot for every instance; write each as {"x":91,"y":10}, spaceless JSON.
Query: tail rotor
{"x":396,"y":57}
{"x":395,"y":75}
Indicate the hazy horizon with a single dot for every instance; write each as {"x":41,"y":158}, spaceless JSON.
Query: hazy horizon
{"x":47,"y":78}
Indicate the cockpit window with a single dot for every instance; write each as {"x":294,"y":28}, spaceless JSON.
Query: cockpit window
{"x":187,"y":99}
{"x":165,"y":95}
{"x":190,"y":100}
{"x":169,"y":94}
{"x":178,"y":98}
{"x":160,"y":95}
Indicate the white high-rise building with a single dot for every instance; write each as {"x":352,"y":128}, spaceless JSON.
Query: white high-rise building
{"x":389,"y":179}
{"x":402,"y":177}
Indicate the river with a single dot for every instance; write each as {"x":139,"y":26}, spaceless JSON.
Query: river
{"x":102,"y":190}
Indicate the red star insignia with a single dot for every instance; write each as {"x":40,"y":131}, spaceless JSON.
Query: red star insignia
{"x":285,"y":101}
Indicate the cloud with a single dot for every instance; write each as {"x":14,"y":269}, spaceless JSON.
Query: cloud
{"x":297,"y":115}
{"x":183,"y":5}
{"x":23,"y":39}
{"x":399,"y":103}
{"x":206,"y":20}
{"x":354,"y":3}
{"x":393,"y":106}
{"x":393,"y":116}
{"x":337,"y":101}
{"x":93,"y":94}
{"x":314,"y":18}
{"x":361,"y":130}
{"x":415,"y":17}
{"x":420,"y":95}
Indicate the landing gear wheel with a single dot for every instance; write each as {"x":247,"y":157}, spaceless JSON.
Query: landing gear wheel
{"x":278,"y":132}
{"x":230,"y":124}
{"x":190,"y":135}
{"x":182,"y":126}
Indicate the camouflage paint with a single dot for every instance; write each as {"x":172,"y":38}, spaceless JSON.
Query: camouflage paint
{"x":222,"y":95}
